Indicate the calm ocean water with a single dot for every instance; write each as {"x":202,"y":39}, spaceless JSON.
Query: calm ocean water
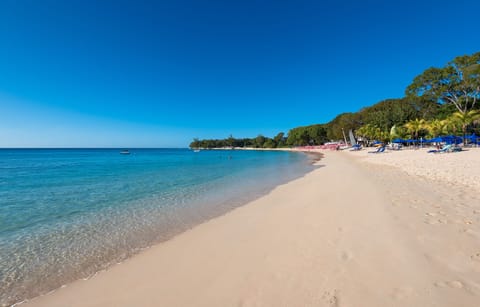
{"x":68,"y":213}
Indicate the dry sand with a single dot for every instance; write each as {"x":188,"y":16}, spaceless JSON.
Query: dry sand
{"x":351,"y":233}
{"x":455,"y":168}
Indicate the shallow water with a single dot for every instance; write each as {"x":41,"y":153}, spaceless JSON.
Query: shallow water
{"x":68,"y":213}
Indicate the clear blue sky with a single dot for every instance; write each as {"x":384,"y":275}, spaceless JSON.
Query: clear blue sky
{"x":158,"y":73}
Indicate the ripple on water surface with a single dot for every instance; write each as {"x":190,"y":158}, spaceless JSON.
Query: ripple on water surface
{"x":66,"y":214}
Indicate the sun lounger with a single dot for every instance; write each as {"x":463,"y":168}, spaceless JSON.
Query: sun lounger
{"x":356,"y":147}
{"x":379,"y":150}
{"x":445,"y":148}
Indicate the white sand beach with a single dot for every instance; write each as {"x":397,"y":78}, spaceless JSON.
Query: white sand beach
{"x":460,"y":168}
{"x":393,"y":229}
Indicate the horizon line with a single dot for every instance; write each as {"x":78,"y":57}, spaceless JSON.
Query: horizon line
{"x":125,"y":147}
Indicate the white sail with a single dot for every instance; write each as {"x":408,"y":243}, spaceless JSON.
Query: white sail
{"x":353,"y":142}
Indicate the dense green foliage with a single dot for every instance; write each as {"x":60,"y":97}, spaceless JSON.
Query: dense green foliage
{"x":345,"y":121}
{"x":308,"y":135}
{"x":258,"y":142}
{"x":439,"y":101}
{"x":458,"y":83}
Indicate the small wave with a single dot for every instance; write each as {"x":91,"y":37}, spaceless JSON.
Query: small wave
{"x":105,"y":214}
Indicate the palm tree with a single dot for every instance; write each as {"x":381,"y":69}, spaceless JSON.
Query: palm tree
{"x":415,"y":126}
{"x":366,"y":131}
{"x":382,"y":135}
{"x":449,"y":126}
{"x":393,"y":133}
{"x":372,"y":132}
{"x":435,"y":127}
{"x":465,"y":119}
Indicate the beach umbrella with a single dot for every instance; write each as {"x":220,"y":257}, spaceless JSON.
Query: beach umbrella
{"x":398,"y":140}
{"x":448,"y":139}
{"x":452,"y":139}
{"x":436,"y":140}
{"x":423,"y":141}
{"x":473,"y":137}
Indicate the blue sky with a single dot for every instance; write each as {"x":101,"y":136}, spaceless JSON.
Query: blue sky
{"x":158,"y":73}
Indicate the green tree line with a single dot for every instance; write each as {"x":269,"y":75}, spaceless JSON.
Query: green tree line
{"x":439,"y":101}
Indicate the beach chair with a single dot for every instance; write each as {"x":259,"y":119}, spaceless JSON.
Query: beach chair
{"x":445,"y":148}
{"x":379,"y":150}
{"x":356,"y":147}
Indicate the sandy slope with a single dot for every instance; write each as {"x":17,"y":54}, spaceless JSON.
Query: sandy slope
{"x":461,"y":168}
{"x":351,"y":233}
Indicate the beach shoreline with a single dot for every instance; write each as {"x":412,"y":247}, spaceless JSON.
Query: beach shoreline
{"x":315,"y":153}
{"x":355,"y":229}
{"x":161,"y":225}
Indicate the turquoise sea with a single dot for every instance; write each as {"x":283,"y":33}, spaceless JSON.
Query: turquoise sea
{"x":65,"y":214}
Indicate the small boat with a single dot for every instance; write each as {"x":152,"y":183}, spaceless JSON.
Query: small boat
{"x":196,"y":150}
{"x":124,"y":152}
